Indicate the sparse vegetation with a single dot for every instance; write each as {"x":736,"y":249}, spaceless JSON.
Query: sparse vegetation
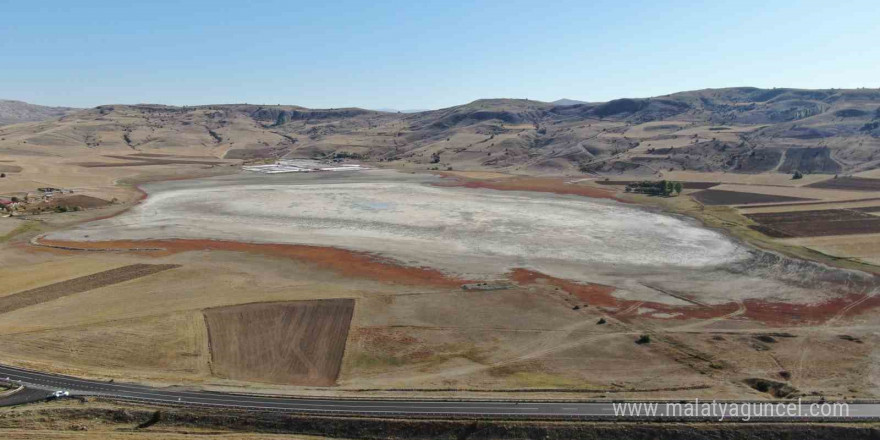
{"x":655,"y":188}
{"x":27,"y":226}
{"x":347,"y":155}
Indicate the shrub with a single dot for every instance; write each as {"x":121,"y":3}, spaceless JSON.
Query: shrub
{"x":797,"y":175}
{"x":659,"y":188}
{"x":644,"y":339}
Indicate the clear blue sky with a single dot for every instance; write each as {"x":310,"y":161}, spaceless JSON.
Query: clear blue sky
{"x":421,"y":54}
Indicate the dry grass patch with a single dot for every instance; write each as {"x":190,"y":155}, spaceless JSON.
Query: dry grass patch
{"x":12,"y":228}
{"x":165,"y":347}
{"x":860,"y":246}
{"x":849,"y":183}
{"x":295,"y":342}
{"x":78,"y":285}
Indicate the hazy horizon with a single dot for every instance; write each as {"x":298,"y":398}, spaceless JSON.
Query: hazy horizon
{"x":400,"y":55}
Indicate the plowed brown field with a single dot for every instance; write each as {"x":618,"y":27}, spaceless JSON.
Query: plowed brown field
{"x":719,"y":197}
{"x":77,"y":285}
{"x":815,"y":223}
{"x":293,"y":343}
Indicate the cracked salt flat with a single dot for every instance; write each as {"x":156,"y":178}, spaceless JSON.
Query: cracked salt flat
{"x":419,"y":223}
{"x":473,"y":233}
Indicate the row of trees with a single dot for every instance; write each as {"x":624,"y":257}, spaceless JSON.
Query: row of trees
{"x":659,"y":188}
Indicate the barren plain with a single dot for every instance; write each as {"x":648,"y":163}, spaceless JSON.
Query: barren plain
{"x":457,"y":288}
{"x":491,"y":250}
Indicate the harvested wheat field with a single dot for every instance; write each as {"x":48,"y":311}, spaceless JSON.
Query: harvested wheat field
{"x":294,"y":342}
{"x":78,"y":285}
{"x":849,"y":183}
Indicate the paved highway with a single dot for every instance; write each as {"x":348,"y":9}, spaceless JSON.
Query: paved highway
{"x":46,"y":383}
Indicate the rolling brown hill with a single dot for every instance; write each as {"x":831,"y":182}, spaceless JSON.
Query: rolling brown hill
{"x":13,"y":112}
{"x":742,"y":130}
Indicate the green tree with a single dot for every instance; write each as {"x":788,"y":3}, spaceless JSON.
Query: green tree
{"x":669,"y":187}
{"x":677,"y":187}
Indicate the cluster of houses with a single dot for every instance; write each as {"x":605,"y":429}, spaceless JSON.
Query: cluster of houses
{"x":10,"y":205}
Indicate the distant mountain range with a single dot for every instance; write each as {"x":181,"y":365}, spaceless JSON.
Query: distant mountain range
{"x":742,"y":130}
{"x":566,"y":101}
{"x":13,"y":112}
{"x":393,"y":110}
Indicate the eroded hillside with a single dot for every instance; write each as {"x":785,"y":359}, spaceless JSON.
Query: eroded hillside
{"x":744,"y":130}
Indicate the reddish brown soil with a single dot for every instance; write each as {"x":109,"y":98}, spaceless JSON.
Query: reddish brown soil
{"x":294,"y":342}
{"x":594,"y":294}
{"x":536,"y":184}
{"x":768,"y":312}
{"x":348,"y":263}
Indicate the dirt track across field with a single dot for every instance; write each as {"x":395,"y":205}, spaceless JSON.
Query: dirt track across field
{"x":77,"y":285}
{"x":296,"y":342}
